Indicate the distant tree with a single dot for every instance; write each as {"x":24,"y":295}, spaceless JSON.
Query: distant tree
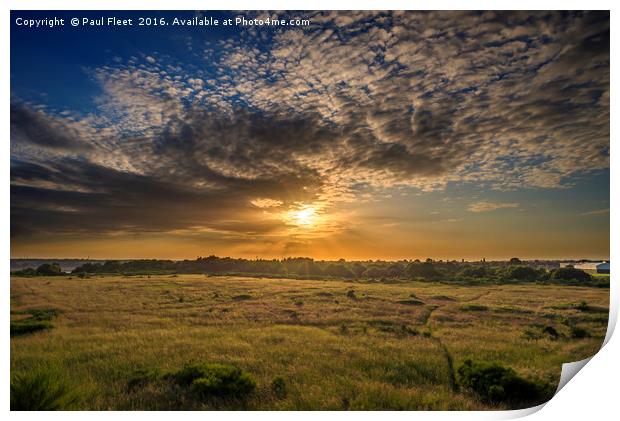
{"x":49,"y":269}
{"x":424,"y":270}
{"x":570,"y":274}
{"x":375,"y":272}
{"x":522,"y":273}
{"x":25,"y":272}
{"x":396,"y":270}
{"x":339,"y":270}
{"x":474,"y":272}
{"x":358,"y":269}
{"x":514,"y":261}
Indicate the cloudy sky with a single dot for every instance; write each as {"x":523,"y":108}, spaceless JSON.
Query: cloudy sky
{"x":364,"y":135}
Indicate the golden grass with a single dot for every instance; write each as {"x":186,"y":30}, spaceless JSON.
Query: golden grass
{"x":334,"y":349}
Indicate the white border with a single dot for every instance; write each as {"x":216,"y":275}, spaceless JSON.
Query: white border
{"x":591,"y":394}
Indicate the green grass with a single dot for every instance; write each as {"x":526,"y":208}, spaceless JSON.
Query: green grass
{"x":35,"y":320}
{"x":42,"y":388}
{"x":349,"y":345}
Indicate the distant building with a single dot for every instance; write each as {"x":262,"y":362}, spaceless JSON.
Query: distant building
{"x":590,"y":267}
{"x":603,"y":268}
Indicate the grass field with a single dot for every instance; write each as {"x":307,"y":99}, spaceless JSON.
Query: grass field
{"x":333,"y":344}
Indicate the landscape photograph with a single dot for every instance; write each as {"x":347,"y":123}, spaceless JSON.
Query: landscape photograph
{"x":300,"y":211}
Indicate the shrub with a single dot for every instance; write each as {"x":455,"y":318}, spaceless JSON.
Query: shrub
{"x":24,"y":272}
{"x":215,"y":380}
{"x":474,"y":307}
{"x":540,"y":332}
{"x":49,"y":269}
{"x":577,"y":332}
{"x":522,"y":273}
{"x":278,"y":387}
{"x":39,"y":320}
{"x":582,"y":306}
{"x":474,"y":272}
{"x":495,"y":383}
{"x":551,"y":331}
{"x":43,"y":313}
{"x":339,"y":271}
{"x":411,"y":302}
{"x":26,"y":326}
{"x":570,"y":274}
{"x":42,"y":389}
{"x":423,"y":270}
{"x":142,"y":376}
{"x":375,"y":272}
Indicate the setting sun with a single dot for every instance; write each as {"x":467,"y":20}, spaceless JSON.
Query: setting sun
{"x":306,"y":216}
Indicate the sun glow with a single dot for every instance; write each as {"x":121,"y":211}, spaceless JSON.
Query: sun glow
{"x":305,"y":216}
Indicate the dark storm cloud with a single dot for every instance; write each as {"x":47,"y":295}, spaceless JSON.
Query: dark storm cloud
{"x":505,"y":99}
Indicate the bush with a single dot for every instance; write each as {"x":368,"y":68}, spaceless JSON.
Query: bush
{"x":474,"y":307}
{"x":339,"y":271}
{"x":25,"y":272}
{"x":570,"y":274}
{"x":42,"y":389}
{"x":215,"y":380}
{"x":522,"y":273}
{"x":49,"y":269}
{"x":278,"y":387}
{"x":474,"y":272}
{"x":39,"y":320}
{"x":423,"y":270}
{"x":582,"y":306}
{"x":551,"y":331}
{"x":142,"y":376}
{"x":26,"y":326}
{"x":495,"y":383}
{"x":577,"y":332}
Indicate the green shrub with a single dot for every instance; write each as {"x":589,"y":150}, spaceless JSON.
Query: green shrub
{"x":495,"y":383}
{"x":215,"y":380}
{"x":522,"y":273}
{"x":49,"y":269}
{"x":27,"y":326}
{"x":570,"y":274}
{"x":39,"y":320}
{"x":42,"y":389}
{"x":411,"y":302}
{"x":43,"y":313}
{"x":540,"y":332}
{"x":423,"y":270}
{"x":474,"y":307}
{"x":278,"y":387}
{"x":142,"y":376}
{"x":551,"y":331}
{"x":577,"y":332}
{"x":582,"y":306}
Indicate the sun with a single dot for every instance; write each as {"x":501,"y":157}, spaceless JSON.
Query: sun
{"x":305,"y":216}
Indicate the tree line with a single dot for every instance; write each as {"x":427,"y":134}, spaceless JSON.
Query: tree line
{"x":303,"y":267}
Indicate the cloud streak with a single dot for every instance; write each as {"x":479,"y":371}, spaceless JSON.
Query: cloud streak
{"x":490,"y":206}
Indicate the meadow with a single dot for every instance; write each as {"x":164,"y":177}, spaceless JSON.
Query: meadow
{"x":305,"y":344}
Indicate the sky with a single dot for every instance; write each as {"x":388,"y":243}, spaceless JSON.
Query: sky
{"x":363,"y":135}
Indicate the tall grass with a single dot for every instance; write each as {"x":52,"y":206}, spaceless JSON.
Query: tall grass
{"x":374,"y":351}
{"x":42,"y":389}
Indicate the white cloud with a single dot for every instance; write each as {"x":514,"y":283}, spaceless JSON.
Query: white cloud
{"x":486,"y":206}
